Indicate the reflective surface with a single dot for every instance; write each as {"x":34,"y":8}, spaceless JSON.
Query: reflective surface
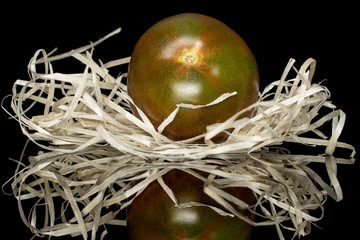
{"x":153,"y":215}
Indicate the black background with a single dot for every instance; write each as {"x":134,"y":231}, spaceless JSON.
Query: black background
{"x":275,"y":32}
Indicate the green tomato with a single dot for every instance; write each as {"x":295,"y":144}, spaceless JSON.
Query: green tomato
{"x":153,"y":215}
{"x":193,"y":59}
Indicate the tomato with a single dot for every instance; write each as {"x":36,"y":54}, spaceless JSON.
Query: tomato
{"x":153,"y":216}
{"x":193,"y":59}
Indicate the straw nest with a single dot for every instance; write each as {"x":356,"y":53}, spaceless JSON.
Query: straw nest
{"x":96,"y":156}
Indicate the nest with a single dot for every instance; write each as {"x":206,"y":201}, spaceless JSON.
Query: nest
{"x":97,"y":156}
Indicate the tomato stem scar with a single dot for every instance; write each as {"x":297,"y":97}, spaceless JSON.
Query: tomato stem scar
{"x":189,"y":58}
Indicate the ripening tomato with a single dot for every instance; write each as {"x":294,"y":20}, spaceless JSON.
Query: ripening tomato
{"x":153,"y":215}
{"x":191,"y":58}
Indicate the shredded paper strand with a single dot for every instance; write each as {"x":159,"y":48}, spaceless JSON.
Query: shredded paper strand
{"x":96,"y":156}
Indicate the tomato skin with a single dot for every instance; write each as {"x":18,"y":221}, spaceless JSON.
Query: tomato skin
{"x":191,"y":58}
{"x":153,"y":216}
